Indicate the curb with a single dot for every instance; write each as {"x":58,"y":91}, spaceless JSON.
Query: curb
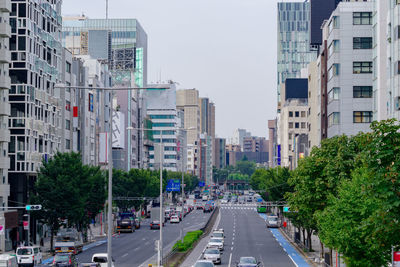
{"x":305,"y":256}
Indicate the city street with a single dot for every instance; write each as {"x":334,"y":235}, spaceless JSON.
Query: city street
{"x":247,"y":235}
{"x":135,"y":249}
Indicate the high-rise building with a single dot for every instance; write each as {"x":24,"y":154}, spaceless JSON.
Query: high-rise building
{"x":36,"y":51}
{"x":314,"y":104}
{"x":320,"y":10}
{"x":238,"y":136}
{"x":272,"y":144}
{"x":219,"y":153}
{"x":166,"y":124}
{"x":5,"y":60}
{"x":350,"y":68}
{"x":122,"y":43}
{"x":188,"y":101}
{"x":207,"y":116}
{"x":293,"y":120}
{"x":294,"y":51}
{"x":255,"y":144}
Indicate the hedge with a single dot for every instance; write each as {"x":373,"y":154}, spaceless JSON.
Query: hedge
{"x":188,"y":241}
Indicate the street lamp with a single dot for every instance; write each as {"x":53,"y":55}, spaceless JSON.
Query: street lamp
{"x":110,"y":165}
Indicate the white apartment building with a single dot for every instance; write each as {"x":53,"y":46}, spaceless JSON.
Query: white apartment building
{"x":5,"y":59}
{"x":167,"y":128}
{"x":350,"y":67}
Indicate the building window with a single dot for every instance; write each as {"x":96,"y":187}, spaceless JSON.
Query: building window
{"x":334,"y":23}
{"x":362,"y":67}
{"x":334,"y":47}
{"x":290,"y":136}
{"x":290,"y":125}
{"x":297,"y":125}
{"x":67,"y":125}
{"x":334,"y":94}
{"x":334,"y":70}
{"x":290,"y":114}
{"x":290,"y":147}
{"x":297,"y":114}
{"x":362,"y":18}
{"x":303,"y":114}
{"x":362,"y":42}
{"x":333,"y":118}
{"x":362,"y":91}
{"x":362,"y":116}
{"x":68,"y":67}
{"x":303,"y":125}
{"x":67,"y":144}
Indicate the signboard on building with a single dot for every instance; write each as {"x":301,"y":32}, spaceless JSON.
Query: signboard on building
{"x":278,"y":156}
{"x":91,"y":102}
{"x":174,"y":185}
{"x":118,"y":138}
{"x":103,"y":148}
{"x":202,"y":184}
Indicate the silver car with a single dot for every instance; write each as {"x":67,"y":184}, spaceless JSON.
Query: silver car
{"x":212,"y":254}
{"x":272,"y":221}
{"x":203,"y":263}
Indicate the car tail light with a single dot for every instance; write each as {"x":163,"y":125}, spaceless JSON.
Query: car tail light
{"x":33,"y":257}
{"x":69,"y":262}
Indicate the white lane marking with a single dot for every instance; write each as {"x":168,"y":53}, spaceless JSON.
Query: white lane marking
{"x":136,"y":249}
{"x":230,"y":260}
{"x":123,"y":256}
{"x":231,"y":248}
{"x":293,"y":261}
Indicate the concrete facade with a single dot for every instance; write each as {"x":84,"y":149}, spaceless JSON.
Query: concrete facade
{"x":5,"y":112}
{"x":350,"y":68}
{"x":219,"y":153}
{"x":188,"y":101}
{"x":314,"y":104}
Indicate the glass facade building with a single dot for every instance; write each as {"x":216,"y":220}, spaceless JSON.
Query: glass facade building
{"x":294,"y":51}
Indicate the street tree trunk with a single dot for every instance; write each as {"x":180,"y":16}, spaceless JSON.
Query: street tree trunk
{"x":304,"y":236}
{"x":52,"y":240}
{"x":309,"y":239}
{"x":322,"y":249}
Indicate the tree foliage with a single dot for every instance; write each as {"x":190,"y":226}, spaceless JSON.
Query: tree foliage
{"x":68,"y":191}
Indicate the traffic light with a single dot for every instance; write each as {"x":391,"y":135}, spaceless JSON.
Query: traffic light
{"x":33,"y":207}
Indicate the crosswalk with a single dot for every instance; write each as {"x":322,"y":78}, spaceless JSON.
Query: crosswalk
{"x":249,"y":206}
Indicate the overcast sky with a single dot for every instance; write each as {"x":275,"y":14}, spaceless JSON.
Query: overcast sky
{"x":224,"y":48}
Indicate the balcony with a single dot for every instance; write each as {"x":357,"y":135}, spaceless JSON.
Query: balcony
{"x":5,"y":5}
{"x":4,"y":135}
{"x":4,"y":162}
{"x":5,"y":29}
{"x":5,"y":109}
{"x":5,"y":55}
{"x":5,"y":82}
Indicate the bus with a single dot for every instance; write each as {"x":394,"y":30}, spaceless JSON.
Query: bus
{"x":262,"y":208}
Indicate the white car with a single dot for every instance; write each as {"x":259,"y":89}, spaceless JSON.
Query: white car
{"x":102,"y":258}
{"x":215,"y":243}
{"x":224,"y":201}
{"x":272,"y":221}
{"x":174,"y":219}
{"x":218,"y":235}
{"x":212,"y":254}
{"x":29,"y":256}
{"x":204,"y":263}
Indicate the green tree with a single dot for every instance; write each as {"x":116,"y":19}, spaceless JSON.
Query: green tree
{"x":62,"y":188}
{"x":245,"y":167}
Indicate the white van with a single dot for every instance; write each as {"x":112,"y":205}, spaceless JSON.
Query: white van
{"x":29,"y":256}
{"x":102,"y":258}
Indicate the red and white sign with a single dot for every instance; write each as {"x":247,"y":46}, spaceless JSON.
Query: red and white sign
{"x":26,"y":225}
{"x":396,"y":259}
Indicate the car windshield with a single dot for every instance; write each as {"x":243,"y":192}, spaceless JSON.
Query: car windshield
{"x":100,"y":259}
{"x":24,"y":251}
{"x":214,"y":240}
{"x":203,"y":264}
{"x":218,"y":235}
{"x":65,"y":238}
{"x":211,"y":251}
{"x":248,"y":260}
{"x":61,"y":258}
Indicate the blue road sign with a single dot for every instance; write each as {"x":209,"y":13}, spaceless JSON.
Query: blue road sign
{"x":174,"y":185}
{"x":202,"y":184}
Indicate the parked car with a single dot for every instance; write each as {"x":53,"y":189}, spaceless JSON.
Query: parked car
{"x":29,"y":256}
{"x":213,"y":255}
{"x":272,"y":221}
{"x":64,"y":260}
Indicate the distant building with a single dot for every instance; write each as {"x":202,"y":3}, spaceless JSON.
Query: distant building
{"x":188,"y":101}
{"x":233,"y":157}
{"x":320,"y":10}
{"x":238,"y":136}
{"x":272,"y":144}
{"x":219,"y":153}
{"x":255,"y":144}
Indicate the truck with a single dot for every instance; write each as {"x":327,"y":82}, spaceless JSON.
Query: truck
{"x":126,"y":222}
{"x":191,"y":202}
{"x":68,"y":240}
{"x":155,"y":218}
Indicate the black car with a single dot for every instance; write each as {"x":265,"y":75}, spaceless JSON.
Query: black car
{"x":64,"y":260}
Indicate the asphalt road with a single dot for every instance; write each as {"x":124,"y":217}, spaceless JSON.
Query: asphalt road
{"x":247,"y":235}
{"x":134,"y":249}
